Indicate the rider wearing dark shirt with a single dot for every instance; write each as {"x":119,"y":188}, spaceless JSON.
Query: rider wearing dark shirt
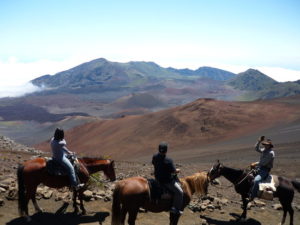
{"x":165,"y":173}
{"x":163,"y":168}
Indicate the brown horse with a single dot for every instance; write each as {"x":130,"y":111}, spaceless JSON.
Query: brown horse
{"x":132,"y":193}
{"x":33,"y":172}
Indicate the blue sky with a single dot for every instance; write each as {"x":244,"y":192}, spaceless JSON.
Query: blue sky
{"x":45,"y":37}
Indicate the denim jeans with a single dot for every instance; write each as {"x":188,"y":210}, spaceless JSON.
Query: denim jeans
{"x":65,"y":162}
{"x":262,"y":174}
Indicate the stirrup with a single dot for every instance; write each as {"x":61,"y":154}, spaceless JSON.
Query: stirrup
{"x":78,"y":187}
{"x":175,"y":211}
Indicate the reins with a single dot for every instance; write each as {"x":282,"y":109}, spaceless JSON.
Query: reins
{"x":247,"y":175}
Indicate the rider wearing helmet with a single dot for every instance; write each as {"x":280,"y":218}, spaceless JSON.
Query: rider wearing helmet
{"x":59,"y":154}
{"x":165,"y":173}
{"x":264,"y":165}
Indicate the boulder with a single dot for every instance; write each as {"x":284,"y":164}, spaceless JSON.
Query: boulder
{"x":259,"y":203}
{"x":277,"y":206}
{"x":12,"y":194}
{"x":87,"y":195}
{"x":61,"y":196}
{"x":2,"y":190}
{"x":47,"y":194}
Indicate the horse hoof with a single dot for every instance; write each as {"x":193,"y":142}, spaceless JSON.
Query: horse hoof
{"x":241,"y":219}
{"x":40,"y":211}
{"x":27,"y":219}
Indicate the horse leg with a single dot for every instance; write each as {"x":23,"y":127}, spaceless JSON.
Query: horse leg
{"x":286,"y":202}
{"x":291,"y":212}
{"x":33,"y":199}
{"x":123,"y":215}
{"x":132,"y":214}
{"x":244,"y":207}
{"x":76,"y":210}
{"x":36,"y":206}
{"x":81,"y":202}
{"x":287,"y":208}
{"x":174,"y":218}
{"x":284,"y":216}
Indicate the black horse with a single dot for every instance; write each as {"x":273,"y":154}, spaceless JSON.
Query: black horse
{"x":242,"y":183}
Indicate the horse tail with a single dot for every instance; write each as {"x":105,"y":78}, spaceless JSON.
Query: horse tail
{"x":116,"y":207}
{"x":23,"y":206}
{"x":296,"y":185}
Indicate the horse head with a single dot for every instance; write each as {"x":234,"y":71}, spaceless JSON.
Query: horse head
{"x":215,"y":171}
{"x":109,"y":170}
{"x":100,"y":164}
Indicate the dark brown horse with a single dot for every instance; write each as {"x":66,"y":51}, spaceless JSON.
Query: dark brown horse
{"x":284,"y":191}
{"x":33,"y":172}
{"x":132,"y":193}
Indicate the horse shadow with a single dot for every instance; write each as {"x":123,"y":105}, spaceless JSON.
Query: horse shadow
{"x":60,"y":218}
{"x":249,"y":221}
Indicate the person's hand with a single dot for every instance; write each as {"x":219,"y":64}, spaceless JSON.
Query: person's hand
{"x":261,"y":138}
{"x":253,"y":165}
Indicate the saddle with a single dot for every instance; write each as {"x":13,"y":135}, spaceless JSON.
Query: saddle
{"x":56,"y":169}
{"x":158,"y":191}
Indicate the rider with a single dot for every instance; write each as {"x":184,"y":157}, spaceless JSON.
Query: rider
{"x":59,"y":154}
{"x":165,"y":173}
{"x":264,"y":165}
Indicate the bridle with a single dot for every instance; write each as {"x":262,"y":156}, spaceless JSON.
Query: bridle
{"x":240,"y":180}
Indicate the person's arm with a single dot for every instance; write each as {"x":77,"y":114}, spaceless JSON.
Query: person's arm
{"x":65,"y":149}
{"x":172,"y":167}
{"x":257,"y":145}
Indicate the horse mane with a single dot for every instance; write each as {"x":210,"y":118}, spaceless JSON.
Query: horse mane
{"x":197,"y":182}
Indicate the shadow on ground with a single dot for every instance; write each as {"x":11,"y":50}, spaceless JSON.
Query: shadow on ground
{"x":60,"y":218}
{"x":249,"y":221}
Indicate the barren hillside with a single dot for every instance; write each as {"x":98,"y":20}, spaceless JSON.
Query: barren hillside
{"x":204,"y":121}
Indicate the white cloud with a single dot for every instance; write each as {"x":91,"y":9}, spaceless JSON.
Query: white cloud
{"x":280,"y":74}
{"x":17,"y":90}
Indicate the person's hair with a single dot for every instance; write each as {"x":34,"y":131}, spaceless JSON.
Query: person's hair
{"x":163,"y":147}
{"x":59,"y":134}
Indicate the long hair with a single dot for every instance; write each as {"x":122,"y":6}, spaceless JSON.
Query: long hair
{"x":59,"y":134}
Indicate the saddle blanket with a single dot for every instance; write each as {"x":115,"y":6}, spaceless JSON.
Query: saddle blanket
{"x":267,"y":187}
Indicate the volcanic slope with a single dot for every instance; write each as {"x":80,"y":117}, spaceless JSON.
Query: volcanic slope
{"x":199,"y":123}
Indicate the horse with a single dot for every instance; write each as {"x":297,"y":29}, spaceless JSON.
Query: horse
{"x":33,"y":172}
{"x":133,"y":193}
{"x":243,"y":182}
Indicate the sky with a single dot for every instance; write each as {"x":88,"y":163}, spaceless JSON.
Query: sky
{"x":46,"y":37}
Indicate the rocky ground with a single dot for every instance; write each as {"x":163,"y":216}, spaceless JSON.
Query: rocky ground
{"x":220,"y":207}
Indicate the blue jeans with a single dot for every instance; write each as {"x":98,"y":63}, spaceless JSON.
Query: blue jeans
{"x":262,"y":174}
{"x":65,"y":162}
